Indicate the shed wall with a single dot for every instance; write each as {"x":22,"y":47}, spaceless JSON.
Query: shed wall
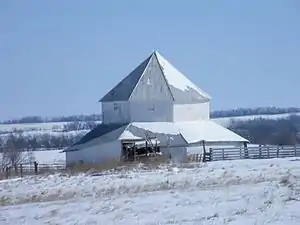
{"x":115,"y":112}
{"x":151,"y":111}
{"x":95,"y":154}
{"x":177,"y":154}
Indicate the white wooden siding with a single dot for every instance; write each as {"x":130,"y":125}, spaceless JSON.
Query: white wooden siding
{"x":96,"y":154}
{"x":152,"y":85}
{"x":151,"y":111}
{"x":191,"y":112}
{"x":178,"y":154}
{"x":115,"y":112}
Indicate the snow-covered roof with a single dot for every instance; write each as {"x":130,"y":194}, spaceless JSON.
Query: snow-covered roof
{"x":99,"y":131}
{"x":180,"y":86}
{"x":207,"y":130}
{"x":168,"y":133}
{"x":193,"y":131}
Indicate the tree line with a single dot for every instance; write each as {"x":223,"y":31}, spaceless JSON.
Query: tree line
{"x":98,"y":117}
{"x":284,"y":131}
{"x":259,"y":131}
{"x":51,"y":140}
{"x":253,"y":111}
{"x":38,"y":141}
{"x":40,"y":119}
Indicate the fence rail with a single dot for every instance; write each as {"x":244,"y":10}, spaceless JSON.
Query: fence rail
{"x":262,"y":152}
{"x":31,"y":169}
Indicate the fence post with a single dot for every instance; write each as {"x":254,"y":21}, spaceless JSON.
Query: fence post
{"x":277,"y":153}
{"x":268,"y":152}
{"x":16,"y":168}
{"x":7,"y":172}
{"x":223,"y":153}
{"x":246,"y":150}
{"x":21,"y":170}
{"x":295,"y":149}
{"x":35,"y":167}
{"x":259,"y":152}
{"x":241,"y":153}
{"x":210,"y":154}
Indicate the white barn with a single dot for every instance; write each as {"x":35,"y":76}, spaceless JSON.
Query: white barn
{"x":154,"y":101}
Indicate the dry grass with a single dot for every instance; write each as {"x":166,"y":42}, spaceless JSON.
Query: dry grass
{"x":114,"y":166}
{"x":144,"y":163}
{"x":107,"y":165}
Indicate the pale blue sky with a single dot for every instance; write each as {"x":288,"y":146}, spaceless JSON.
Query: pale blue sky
{"x":60,"y":57}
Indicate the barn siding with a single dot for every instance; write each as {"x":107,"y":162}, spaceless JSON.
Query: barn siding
{"x":191,"y":112}
{"x":96,"y":154}
{"x":115,"y":112}
{"x":151,"y":111}
{"x":152,"y":85}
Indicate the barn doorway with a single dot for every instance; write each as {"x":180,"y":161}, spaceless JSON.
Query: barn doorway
{"x":137,"y":150}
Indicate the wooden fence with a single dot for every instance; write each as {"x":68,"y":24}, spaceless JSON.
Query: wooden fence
{"x":31,"y":169}
{"x":261,"y":152}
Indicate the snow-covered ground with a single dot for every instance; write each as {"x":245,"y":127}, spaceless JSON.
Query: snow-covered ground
{"x":233,"y":192}
{"x":224,"y":121}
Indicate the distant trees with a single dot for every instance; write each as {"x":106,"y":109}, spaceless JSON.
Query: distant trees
{"x":79,"y":125}
{"x":38,"y":141}
{"x":253,"y":111}
{"x":98,"y":117}
{"x":260,"y":131}
{"x":59,"y":138}
{"x":39,"y":119}
{"x":266,"y":131}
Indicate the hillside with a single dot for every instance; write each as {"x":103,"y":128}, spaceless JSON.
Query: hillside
{"x":236,"y":192}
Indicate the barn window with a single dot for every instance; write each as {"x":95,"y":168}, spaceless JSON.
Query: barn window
{"x":116,"y":106}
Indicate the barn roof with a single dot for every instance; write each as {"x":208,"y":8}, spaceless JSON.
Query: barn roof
{"x":99,"y":131}
{"x":180,"y":86}
{"x":183,"y":133}
{"x":192,"y":131}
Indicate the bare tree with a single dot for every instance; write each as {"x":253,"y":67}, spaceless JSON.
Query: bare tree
{"x":30,"y":156}
{"x":11,"y":155}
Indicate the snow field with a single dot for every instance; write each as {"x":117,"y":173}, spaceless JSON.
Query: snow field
{"x":232,"y":192}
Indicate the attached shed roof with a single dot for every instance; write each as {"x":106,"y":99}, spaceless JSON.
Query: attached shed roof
{"x":193,"y":131}
{"x":180,"y":86}
{"x":182,"y":133}
{"x":99,"y":131}
{"x":123,"y":90}
{"x":207,"y":130}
